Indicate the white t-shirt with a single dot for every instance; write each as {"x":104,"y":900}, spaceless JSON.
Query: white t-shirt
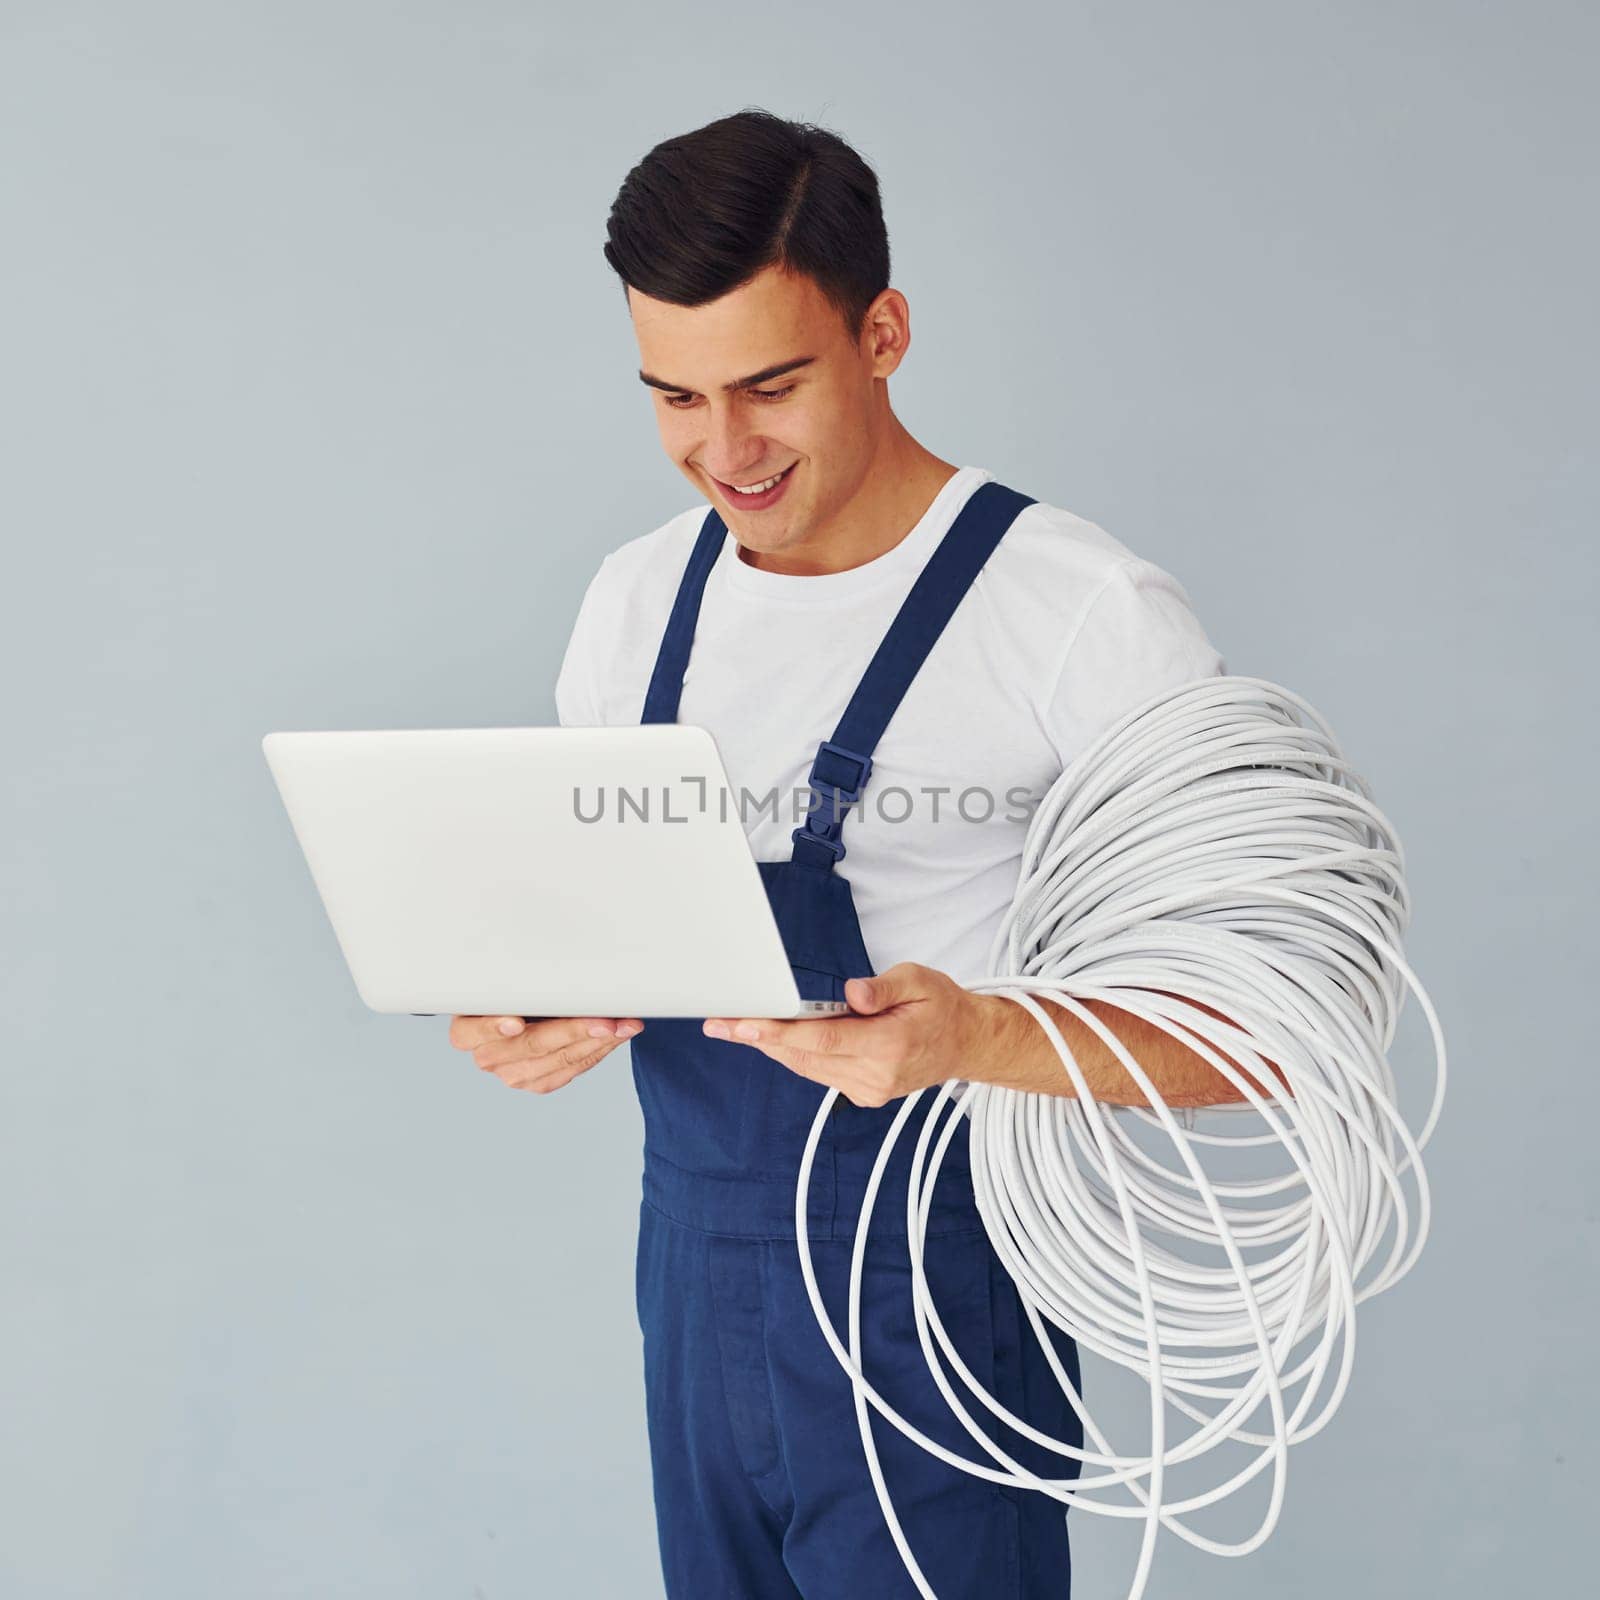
{"x":1062,"y":631}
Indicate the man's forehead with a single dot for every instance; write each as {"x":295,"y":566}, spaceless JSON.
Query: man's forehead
{"x":728,"y":340}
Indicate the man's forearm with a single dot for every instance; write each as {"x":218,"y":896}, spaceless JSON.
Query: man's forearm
{"x":1016,"y":1052}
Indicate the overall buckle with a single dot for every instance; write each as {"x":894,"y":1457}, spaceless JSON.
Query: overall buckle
{"x":826,"y":831}
{"x":863,"y":762}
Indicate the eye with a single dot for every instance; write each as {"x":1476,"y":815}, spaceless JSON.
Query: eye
{"x":681,"y":402}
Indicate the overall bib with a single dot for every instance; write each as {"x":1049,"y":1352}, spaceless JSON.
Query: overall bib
{"x":760,"y":1482}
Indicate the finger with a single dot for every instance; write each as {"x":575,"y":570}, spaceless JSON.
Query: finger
{"x":797,"y":1061}
{"x":466,"y":1033}
{"x":822,"y":1036}
{"x":904,"y":981}
{"x":554,"y":1072}
{"x":832,"y":1072}
{"x":851,"y":1077}
{"x":552,"y":1034}
{"x":526,"y":1056}
{"x":612,"y":1027}
{"x":829,"y":1070}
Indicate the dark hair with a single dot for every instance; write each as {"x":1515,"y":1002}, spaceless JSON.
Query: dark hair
{"x":706,"y":211}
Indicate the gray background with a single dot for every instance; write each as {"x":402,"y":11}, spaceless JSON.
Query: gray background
{"x":319,"y":409}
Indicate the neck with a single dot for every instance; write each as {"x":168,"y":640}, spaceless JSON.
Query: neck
{"x":893,"y":495}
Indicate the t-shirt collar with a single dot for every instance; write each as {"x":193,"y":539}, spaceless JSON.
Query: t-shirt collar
{"x":902,"y":560}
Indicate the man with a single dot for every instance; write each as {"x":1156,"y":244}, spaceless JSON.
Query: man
{"x":755,"y":264}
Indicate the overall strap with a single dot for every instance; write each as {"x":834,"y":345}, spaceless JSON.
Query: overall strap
{"x":672,"y":659}
{"x":842,"y":763}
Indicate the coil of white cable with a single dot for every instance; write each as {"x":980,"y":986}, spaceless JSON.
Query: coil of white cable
{"x":1213,"y":843}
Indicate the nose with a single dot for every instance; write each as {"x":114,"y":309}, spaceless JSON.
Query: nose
{"x":732,"y":449}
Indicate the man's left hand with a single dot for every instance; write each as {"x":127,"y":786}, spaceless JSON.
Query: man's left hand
{"x":908,"y":1029}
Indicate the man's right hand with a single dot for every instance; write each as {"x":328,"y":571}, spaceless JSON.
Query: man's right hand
{"x":542,"y":1054}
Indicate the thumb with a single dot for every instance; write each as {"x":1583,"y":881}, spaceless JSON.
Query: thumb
{"x":874,"y":994}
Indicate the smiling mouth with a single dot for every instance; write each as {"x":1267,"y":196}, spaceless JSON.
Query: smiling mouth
{"x":762,"y":485}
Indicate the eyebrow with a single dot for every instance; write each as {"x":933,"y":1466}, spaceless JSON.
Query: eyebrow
{"x":763,"y":376}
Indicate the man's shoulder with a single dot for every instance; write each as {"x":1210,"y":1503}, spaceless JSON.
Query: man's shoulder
{"x":1055,"y":572}
{"x":1050,"y":546}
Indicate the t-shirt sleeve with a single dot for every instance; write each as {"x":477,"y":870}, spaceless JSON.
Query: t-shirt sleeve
{"x":579,"y":701}
{"x":1138,"y":636}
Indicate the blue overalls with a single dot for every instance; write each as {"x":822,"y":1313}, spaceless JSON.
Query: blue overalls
{"x":761,"y":1485}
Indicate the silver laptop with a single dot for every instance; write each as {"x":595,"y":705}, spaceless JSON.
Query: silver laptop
{"x":540,"y":872}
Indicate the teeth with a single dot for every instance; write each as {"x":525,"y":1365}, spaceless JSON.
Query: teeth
{"x":756,"y":488}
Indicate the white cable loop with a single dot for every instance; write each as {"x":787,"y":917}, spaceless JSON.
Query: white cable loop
{"x":1215,"y":845}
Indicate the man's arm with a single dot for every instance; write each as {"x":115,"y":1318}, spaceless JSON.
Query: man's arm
{"x":1015,"y":1052}
{"x":914,"y":1026}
